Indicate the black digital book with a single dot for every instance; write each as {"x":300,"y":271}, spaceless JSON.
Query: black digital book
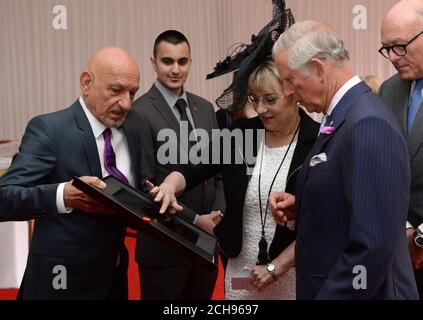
{"x":142,"y":213}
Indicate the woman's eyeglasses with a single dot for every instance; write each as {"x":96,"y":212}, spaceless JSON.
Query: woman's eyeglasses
{"x":268,"y":100}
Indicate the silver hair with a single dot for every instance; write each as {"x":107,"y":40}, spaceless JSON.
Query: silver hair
{"x":310,"y":39}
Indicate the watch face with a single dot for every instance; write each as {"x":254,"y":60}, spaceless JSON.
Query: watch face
{"x":270,"y":267}
{"x":419,"y":241}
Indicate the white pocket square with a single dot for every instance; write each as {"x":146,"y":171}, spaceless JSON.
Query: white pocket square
{"x":318,"y":158}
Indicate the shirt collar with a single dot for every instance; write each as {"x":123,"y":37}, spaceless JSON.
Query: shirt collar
{"x":341,"y":92}
{"x":169,"y":95}
{"x":96,"y":125}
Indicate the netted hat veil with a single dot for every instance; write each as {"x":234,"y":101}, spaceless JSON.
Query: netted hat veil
{"x":249,"y":58}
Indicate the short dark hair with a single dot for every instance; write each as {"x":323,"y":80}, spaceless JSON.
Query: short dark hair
{"x":171,"y":36}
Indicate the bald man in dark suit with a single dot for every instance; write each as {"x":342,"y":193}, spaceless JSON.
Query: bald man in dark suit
{"x":74,"y":253}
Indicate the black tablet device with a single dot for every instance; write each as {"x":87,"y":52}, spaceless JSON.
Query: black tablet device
{"x":142,"y":213}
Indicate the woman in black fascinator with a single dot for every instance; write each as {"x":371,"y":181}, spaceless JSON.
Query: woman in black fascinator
{"x":260,"y":253}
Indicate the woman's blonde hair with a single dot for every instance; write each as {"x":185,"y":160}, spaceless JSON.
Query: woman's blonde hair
{"x":262,"y":75}
{"x":373,"y":82}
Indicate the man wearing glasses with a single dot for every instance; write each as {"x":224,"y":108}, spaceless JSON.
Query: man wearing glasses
{"x":402,"y":44}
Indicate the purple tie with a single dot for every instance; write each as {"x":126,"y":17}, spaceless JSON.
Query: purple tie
{"x":110,"y":157}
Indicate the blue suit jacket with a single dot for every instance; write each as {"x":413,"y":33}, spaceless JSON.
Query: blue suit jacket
{"x":352,"y":208}
{"x":55,"y":148}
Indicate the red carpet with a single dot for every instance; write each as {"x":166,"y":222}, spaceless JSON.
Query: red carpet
{"x":8,"y":294}
{"x":133,"y":280}
{"x":133,"y":287}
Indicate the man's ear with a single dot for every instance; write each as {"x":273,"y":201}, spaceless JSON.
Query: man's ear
{"x":153,"y":63}
{"x":86,"y":82}
{"x":316,"y":67}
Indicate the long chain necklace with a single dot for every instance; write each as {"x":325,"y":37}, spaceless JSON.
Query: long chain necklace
{"x":263,"y":255}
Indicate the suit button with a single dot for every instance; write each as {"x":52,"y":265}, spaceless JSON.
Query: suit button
{"x":301,"y":242}
{"x":308,"y":204}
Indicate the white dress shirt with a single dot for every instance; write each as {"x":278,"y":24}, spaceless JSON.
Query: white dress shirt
{"x":341,"y":92}
{"x":120,"y":147}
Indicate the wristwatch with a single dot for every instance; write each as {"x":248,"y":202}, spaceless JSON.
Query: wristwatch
{"x":418,"y":237}
{"x":272,"y":270}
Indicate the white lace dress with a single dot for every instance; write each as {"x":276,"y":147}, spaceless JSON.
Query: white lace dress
{"x":284,"y":288}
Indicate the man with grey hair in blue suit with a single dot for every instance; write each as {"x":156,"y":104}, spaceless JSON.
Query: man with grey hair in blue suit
{"x":352,"y":192}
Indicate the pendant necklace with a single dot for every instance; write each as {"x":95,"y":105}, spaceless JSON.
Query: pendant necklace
{"x":263,"y":255}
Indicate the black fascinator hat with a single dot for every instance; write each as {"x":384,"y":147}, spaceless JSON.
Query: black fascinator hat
{"x":250,"y":57}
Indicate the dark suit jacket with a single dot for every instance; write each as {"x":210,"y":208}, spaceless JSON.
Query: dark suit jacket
{"x":235,"y":183}
{"x":351,"y":209}
{"x":55,"y":148}
{"x":396,"y":93}
{"x":152,"y":115}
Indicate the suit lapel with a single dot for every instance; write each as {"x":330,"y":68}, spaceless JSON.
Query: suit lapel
{"x":303,"y":174}
{"x":401,"y":103}
{"x":400,"y":109}
{"x":163,"y":109}
{"x":338,"y":118}
{"x":415,"y":137}
{"x":87,"y":139}
{"x":134,"y":144}
{"x":195,"y":111}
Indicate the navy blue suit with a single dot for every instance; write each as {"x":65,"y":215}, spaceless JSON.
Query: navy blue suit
{"x":55,"y":148}
{"x":352,"y":208}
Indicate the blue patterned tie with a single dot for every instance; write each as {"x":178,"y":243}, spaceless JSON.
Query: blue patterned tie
{"x":414,"y":104}
{"x":110,"y":157}
{"x":325,"y":119}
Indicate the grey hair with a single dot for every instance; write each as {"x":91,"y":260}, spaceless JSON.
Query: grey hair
{"x":310,"y":39}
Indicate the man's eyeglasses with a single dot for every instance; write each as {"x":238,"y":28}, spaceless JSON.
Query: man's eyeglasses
{"x":267,"y":100}
{"x":398,"y":49}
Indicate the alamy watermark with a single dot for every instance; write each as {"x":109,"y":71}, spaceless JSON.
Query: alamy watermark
{"x":60,"y":18}
{"x":360,"y":280}
{"x":60,"y":281}
{"x":359,"y":21}
{"x":59,"y":22}
{"x":198,"y":147}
